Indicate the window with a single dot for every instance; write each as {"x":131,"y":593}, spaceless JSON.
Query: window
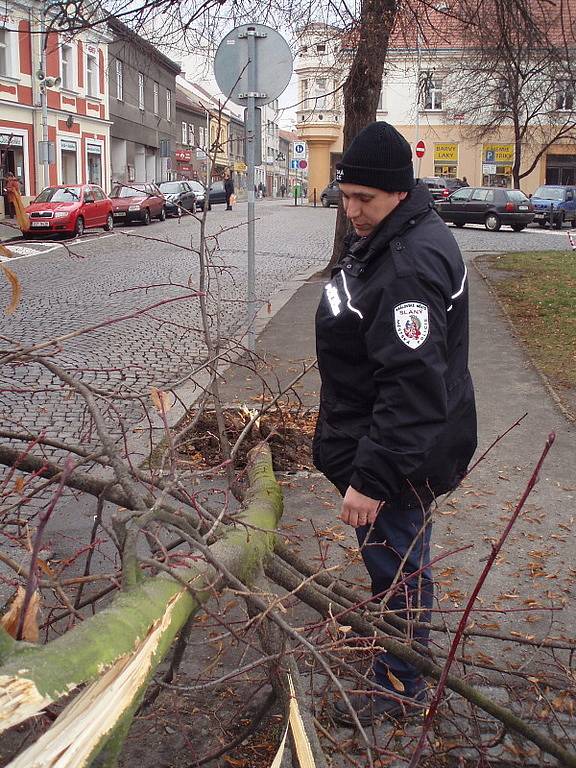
{"x":321,"y":93}
{"x":565,"y":97}
{"x":503,"y":96}
{"x":304,"y":93}
{"x":156,"y":93}
{"x":9,"y":59}
{"x":4,"y":56}
{"x":202,"y":137}
{"x":91,"y":75}
{"x":432,"y":91}
{"x":461,"y":195}
{"x":321,"y":48}
{"x":184,"y":133}
{"x":168,"y":104}
{"x":119,"y":80}
{"x":190,"y":134}
{"x":140,"y":90}
{"x":67,"y":67}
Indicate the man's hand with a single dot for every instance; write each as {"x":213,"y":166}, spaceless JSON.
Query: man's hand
{"x":358,"y":509}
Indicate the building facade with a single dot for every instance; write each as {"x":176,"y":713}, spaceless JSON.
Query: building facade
{"x":420,"y":97}
{"x":142,"y":107}
{"x":58,"y":93}
{"x":192,"y":142}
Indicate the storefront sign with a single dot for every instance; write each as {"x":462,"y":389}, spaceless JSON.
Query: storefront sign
{"x":488,"y":169}
{"x":446,"y":153}
{"x":240,"y":167}
{"x":183,"y":155}
{"x":14,"y":141}
{"x":68,"y":146}
{"x":94,"y":149}
{"x":498,"y":153}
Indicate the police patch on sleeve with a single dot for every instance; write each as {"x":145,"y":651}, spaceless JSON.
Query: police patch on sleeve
{"x":411,"y":323}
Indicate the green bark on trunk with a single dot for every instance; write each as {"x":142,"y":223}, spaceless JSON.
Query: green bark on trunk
{"x":145,"y":619}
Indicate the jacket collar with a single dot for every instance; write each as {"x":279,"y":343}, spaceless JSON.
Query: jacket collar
{"x":360,"y":250}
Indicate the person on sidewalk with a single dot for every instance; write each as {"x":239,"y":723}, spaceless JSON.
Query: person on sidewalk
{"x":397,"y":420}
{"x":229,"y":190}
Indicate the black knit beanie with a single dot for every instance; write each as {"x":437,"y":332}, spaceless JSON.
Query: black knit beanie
{"x":378,"y":157}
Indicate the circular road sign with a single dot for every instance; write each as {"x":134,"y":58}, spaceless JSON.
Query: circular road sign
{"x":273,"y":61}
{"x":302,"y":164}
{"x":420,"y":149}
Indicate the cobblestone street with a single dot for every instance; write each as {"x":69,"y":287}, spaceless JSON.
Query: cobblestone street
{"x":84,"y":284}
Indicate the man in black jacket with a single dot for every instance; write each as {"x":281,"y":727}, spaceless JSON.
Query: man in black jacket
{"x":397,"y":421}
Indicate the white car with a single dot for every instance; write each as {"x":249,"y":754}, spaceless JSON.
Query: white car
{"x":200,"y":192}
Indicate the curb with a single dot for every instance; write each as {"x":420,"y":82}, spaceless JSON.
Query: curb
{"x":565,"y":410}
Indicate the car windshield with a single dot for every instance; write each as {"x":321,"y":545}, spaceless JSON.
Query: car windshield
{"x":549,"y":193}
{"x":59,"y":195}
{"x":170,"y":187}
{"x":122,"y":191}
{"x":516,"y":195}
{"x":197,"y":187}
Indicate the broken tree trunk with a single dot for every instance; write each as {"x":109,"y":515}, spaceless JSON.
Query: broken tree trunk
{"x":120,"y":647}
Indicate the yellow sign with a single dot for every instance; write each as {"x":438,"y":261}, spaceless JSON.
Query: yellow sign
{"x":446,"y":152}
{"x":240,"y":167}
{"x":498,"y":153}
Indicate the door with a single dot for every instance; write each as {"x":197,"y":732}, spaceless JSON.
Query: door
{"x":480,"y":202}
{"x":89,"y":210}
{"x":455,"y":208}
{"x":101,"y":207}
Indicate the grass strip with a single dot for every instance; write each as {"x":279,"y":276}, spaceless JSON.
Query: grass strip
{"x":539,"y":293}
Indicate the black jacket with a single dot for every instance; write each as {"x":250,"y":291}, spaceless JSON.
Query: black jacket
{"x":397,"y":416}
{"x":229,"y":186}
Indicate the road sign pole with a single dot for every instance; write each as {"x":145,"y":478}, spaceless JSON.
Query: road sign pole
{"x":251,"y":136}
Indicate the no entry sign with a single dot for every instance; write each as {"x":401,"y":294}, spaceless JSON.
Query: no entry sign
{"x":420,"y":149}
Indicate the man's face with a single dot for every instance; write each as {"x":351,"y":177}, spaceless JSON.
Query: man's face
{"x":366,"y":207}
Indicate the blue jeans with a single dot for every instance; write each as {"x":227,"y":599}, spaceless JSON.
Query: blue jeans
{"x":395,"y":530}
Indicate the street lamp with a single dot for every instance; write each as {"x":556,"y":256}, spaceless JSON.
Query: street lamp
{"x":66,"y":13}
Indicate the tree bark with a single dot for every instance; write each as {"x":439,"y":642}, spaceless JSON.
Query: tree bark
{"x":363,"y":85}
{"x":128,"y":639}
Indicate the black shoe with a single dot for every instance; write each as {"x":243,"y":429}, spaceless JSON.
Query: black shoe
{"x":377,"y":705}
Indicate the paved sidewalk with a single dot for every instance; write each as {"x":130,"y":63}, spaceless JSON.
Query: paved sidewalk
{"x":537,"y":559}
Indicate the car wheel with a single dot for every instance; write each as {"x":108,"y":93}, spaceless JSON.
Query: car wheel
{"x":492,"y":222}
{"x":542,"y":224}
{"x":559,"y":221}
{"x":162,"y":214}
{"x":109,"y":226}
{"x":79,"y":226}
{"x":518,"y":227}
{"x":146,"y":217}
{"x":325,"y":202}
{"x":459,"y":224}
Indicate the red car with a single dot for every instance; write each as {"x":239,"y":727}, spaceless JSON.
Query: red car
{"x":70,"y":209}
{"x":137,"y":202}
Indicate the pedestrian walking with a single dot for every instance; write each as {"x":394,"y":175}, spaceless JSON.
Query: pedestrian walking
{"x":282,"y":190}
{"x":397,"y":420}
{"x":465,"y":182}
{"x":229,"y":190}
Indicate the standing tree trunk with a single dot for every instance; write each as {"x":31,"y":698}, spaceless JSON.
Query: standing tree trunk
{"x":363,"y":84}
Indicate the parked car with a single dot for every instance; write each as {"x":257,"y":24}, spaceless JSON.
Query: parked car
{"x":490,"y":206}
{"x":137,"y":202}
{"x":330,"y":195}
{"x":441,"y":187}
{"x":179,"y":197}
{"x":555,"y":204}
{"x":70,"y":209}
{"x":200,"y":192}
{"x":216,"y":193}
